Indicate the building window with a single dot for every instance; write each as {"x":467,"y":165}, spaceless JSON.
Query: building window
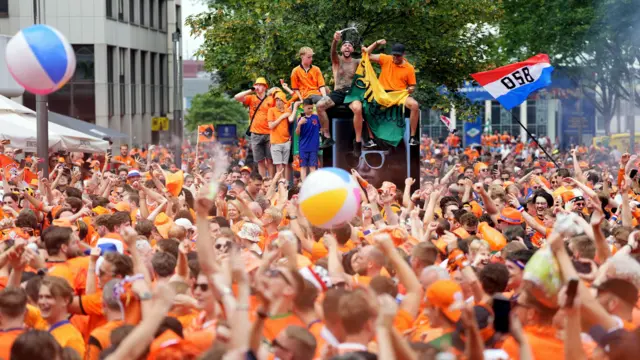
{"x":110,"y":85}
{"x":132,"y":11}
{"x":163,"y":71}
{"x":161,"y":14}
{"x":4,"y":8}
{"x":134,"y":93}
{"x":141,"y":12}
{"x":151,"y":17}
{"x":110,"y":9}
{"x":152,"y":66}
{"x":121,"y":81}
{"x":121,"y":10}
{"x":143,"y":81}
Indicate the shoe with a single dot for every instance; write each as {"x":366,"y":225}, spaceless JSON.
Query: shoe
{"x":327,"y":143}
{"x":369,"y":144}
{"x":413,"y":142}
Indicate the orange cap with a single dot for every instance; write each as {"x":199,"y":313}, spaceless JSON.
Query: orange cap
{"x":478,"y":167}
{"x":511,"y":216}
{"x":99,"y":210}
{"x":442,"y":294}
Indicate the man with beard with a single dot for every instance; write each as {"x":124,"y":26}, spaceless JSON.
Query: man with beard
{"x":344,"y":68}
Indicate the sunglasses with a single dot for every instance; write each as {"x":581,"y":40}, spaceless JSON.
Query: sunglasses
{"x":202,"y":287}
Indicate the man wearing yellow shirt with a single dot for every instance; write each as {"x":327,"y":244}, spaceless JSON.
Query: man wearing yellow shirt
{"x":53,"y":298}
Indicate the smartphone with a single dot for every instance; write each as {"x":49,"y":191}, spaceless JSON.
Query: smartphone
{"x":572,"y":290}
{"x":633,"y":173}
{"x":501,"y":313}
{"x":495,"y":166}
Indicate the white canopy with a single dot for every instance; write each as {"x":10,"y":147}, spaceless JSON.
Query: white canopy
{"x":19,"y":125}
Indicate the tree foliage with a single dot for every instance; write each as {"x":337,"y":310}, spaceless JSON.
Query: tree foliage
{"x":596,"y":43}
{"x":445,"y":40}
{"x":215,"y":108}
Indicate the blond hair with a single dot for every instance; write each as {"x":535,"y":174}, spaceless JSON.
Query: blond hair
{"x":477,"y":245}
{"x":304,"y":51}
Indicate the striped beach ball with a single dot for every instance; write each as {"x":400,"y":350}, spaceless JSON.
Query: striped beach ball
{"x":40,"y":59}
{"x":329,"y":197}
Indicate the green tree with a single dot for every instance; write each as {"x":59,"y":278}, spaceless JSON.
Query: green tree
{"x":215,"y":108}
{"x":445,"y":40}
{"x":596,"y":43}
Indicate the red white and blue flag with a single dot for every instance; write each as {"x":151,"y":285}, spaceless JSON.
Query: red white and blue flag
{"x":447,"y":122}
{"x":512,"y":84}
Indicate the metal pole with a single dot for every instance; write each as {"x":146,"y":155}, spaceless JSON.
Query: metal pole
{"x":42,"y":112}
{"x":533,"y":138}
{"x":175,"y":140}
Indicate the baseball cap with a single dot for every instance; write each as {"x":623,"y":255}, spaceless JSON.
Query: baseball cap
{"x":442,"y":295}
{"x":133,"y":173}
{"x":245,"y":168}
{"x":511,"y":216}
{"x":623,"y":289}
{"x":397,"y":49}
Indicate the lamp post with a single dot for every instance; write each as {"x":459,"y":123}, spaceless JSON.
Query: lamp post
{"x":176,"y":124}
{"x":42,"y":112}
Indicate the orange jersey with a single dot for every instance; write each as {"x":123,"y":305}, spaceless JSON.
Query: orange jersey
{"x":7,"y":337}
{"x":275,"y":324}
{"x":68,"y":336}
{"x":100,"y":339}
{"x":260,"y":124}
{"x":279,"y":134}
{"x":308,"y":82}
{"x":396,"y":77}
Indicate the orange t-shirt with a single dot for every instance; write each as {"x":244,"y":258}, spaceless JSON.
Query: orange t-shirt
{"x":396,"y":77}
{"x":68,"y":336}
{"x":129,"y":161}
{"x":100,"y":339}
{"x":7,"y":337}
{"x":279,"y":134}
{"x":307,"y":82}
{"x":260,"y":124}
{"x":275,"y":324}
{"x":544,"y":342}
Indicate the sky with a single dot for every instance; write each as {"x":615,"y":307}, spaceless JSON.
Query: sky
{"x":190,"y":44}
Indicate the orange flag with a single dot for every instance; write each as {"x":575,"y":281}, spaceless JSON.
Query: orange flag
{"x":206,"y":133}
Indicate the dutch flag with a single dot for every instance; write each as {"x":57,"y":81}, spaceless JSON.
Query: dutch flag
{"x":512,"y":84}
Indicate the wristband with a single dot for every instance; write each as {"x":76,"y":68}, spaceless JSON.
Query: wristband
{"x":291,"y":217}
{"x":520,"y":208}
{"x":376,"y":218}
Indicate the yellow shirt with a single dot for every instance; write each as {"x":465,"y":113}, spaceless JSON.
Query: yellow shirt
{"x":68,"y":336}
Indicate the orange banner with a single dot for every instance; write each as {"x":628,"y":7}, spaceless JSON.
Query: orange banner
{"x":206,"y":133}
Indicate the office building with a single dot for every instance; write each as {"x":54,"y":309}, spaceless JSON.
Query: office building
{"x":124,"y":53}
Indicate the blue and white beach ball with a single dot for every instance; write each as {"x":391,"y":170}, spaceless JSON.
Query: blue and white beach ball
{"x":329,"y":197}
{"x":40,"y":59}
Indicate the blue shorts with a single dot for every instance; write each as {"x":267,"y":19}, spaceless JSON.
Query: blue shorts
{"x":309,"y":158}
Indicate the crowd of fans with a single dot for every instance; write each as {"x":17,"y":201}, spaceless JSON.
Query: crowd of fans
{"x":127,"y":257}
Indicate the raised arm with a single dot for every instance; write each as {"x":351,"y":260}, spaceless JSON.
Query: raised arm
{"x":368,"y":50}
{"x":335,"y":59}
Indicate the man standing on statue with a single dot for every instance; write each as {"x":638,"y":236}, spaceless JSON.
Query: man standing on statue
{"x":344,"y":68}
{"x":397,"y":74}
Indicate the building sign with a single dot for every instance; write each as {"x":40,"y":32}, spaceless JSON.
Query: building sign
{"x":159,"y":124}
{"x":226,"y":133}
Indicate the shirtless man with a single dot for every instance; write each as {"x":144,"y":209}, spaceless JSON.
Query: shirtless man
{"x":344,"y":68}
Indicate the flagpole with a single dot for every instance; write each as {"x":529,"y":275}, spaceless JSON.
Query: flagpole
{"x":533,"y":138}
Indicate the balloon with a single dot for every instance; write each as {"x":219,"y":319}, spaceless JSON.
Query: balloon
{"x":40,"y":59}
{"x":329,"y":197}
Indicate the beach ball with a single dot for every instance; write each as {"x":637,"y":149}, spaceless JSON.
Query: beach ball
{"x":40,"y":59}
{"x":329,"y":197}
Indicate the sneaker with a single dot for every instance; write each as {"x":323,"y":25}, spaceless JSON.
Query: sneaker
{"x":369,"y":144}
{"x":327,"y":143}
{"x":414,"y":142}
